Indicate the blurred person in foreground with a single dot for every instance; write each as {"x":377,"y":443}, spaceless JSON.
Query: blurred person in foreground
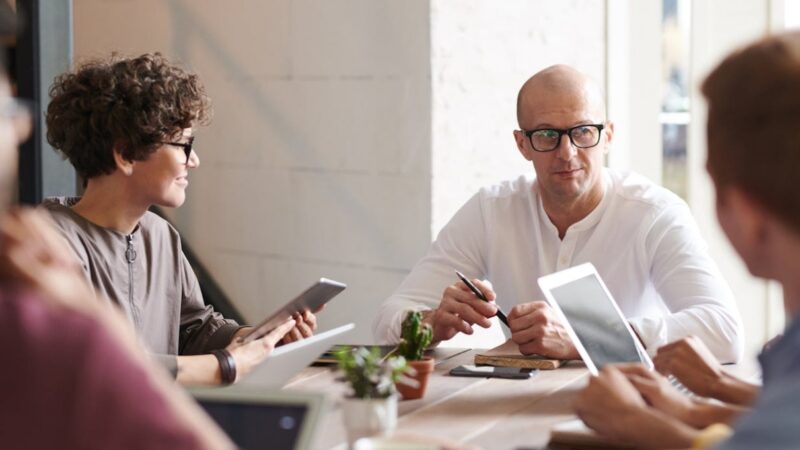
{"x":753,"y":156}
{"x":73,"y":375}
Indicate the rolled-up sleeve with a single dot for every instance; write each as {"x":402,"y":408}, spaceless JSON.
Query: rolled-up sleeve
{"x":202,"y":329}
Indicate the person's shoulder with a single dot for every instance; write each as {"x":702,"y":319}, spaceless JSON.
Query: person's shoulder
{"x":156,"y":222}
{"x":157,"y":227}
{"x":60,"y":211}
{"x":638,"y":191}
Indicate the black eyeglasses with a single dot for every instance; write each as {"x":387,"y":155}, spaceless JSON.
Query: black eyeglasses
{"x":548,"y":139}
{"x":187,"y":147}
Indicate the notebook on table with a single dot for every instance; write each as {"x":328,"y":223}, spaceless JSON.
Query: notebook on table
{"x":508,"y":355}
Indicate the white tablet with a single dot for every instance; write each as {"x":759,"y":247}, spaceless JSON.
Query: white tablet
{"x":598,"y":328}
{"x":288,"y":360}
{"x":311,"y":299}
{"x":261,"y":418}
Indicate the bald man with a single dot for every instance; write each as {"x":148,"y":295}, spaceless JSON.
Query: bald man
{"x":641,"y":238}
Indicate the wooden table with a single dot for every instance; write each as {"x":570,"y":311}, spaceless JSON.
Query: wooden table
{"x":481,"y":412}
{"x":489,"y":413}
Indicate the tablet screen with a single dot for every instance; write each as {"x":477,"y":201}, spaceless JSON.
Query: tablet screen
{"x":599,"y":326}
{"x":257,"y":426}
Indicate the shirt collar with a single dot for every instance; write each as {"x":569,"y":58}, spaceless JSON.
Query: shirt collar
{"x":593,"y":217}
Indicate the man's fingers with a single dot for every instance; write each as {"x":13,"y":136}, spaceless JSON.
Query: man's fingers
{"x":524,"y":309}
{"x":450,"y":320}
{"x":529,"y":334}
{"x":467,"y":311}
{"x":634,"y":369}
{"x":485,"y":288}
{"x":303,"y":330}
{"x":457,"y":294}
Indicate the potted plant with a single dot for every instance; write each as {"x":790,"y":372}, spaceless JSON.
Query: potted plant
{"x":414,"y":339}
{"x":372,"y":406}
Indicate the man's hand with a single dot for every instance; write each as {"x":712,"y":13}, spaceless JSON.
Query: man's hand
{"x":535,"y":328}
{"x":305,"y":324}
{"x":613,"y":407}
{"x":459,"y":310}
{"x":609,"y":402}
{"x":658,"y":392}
{"x":249,"y":355}
{"x":691,"y":362}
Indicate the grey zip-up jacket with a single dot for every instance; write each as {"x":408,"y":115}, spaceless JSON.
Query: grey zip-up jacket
{"x":148,"y":276}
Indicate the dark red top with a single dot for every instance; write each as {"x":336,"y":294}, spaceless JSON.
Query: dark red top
{"x":64,"y":385}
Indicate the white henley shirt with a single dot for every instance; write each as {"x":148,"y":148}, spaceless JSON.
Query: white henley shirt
{"x":641,"y":238}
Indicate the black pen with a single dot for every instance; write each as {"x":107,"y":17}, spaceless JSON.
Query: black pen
{"x":500,"y":314}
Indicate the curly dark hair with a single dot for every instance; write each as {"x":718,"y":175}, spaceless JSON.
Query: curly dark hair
{"x":130,"y":103}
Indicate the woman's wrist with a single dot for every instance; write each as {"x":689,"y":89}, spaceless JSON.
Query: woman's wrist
{"x":198,"y":370}
{"x":227,"y":366}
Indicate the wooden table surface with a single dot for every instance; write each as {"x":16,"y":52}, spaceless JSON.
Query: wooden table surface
{"x":480,"y":412}
{"x":488,"y":413}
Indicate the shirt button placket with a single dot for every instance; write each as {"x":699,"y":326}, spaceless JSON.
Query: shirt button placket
{"x":565,"y":252}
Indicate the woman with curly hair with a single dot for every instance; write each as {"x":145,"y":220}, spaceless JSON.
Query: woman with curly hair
{"x":126,"y":125}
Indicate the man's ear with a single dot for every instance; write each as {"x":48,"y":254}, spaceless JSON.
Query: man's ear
{"x":123,"y":165}
{"x":609,"y":131}
{"x":752,"y":221}
{"x":519,"y":137}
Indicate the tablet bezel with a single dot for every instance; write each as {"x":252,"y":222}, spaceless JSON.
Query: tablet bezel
{"x":549,"y":282}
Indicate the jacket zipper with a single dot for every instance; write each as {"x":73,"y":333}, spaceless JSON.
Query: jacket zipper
{"x":130,"y":256}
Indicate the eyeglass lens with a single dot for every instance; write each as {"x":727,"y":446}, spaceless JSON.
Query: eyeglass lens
{"x":586,"y":136}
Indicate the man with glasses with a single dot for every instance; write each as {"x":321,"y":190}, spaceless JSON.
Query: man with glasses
{"x":641,"y":237}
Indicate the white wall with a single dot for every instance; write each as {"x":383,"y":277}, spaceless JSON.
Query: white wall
{"x":482,"y":52}
{"x":347,"y":132}
{"x":318,"y":160}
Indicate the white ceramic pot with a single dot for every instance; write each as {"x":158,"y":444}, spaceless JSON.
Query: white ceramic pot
{"x":369,"y":417}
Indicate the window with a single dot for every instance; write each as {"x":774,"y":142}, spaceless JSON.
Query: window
{"x":675,"y":114}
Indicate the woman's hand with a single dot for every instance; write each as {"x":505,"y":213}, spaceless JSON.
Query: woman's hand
{"x":305,"y":324}
{"x":249,"y":355}
{"x":613,"y":407}
{"x":658,"y":392}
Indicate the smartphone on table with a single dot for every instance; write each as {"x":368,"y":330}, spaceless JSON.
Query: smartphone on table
{"x":514,"y":373}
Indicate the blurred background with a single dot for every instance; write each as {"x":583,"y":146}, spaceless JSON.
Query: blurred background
{"x":347,"y":132}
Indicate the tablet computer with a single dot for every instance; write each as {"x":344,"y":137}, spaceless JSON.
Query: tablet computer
{"x":311,"y":299}
{"x":595,"y":323}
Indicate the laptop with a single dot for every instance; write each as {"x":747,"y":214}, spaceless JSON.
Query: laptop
{"x":256,"y":418}
{"x":595,"y":323}
{"x":287,"y":360}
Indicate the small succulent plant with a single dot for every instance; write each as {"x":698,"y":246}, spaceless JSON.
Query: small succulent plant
{"x":415,"y":337}
{"x":369,"y":374}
